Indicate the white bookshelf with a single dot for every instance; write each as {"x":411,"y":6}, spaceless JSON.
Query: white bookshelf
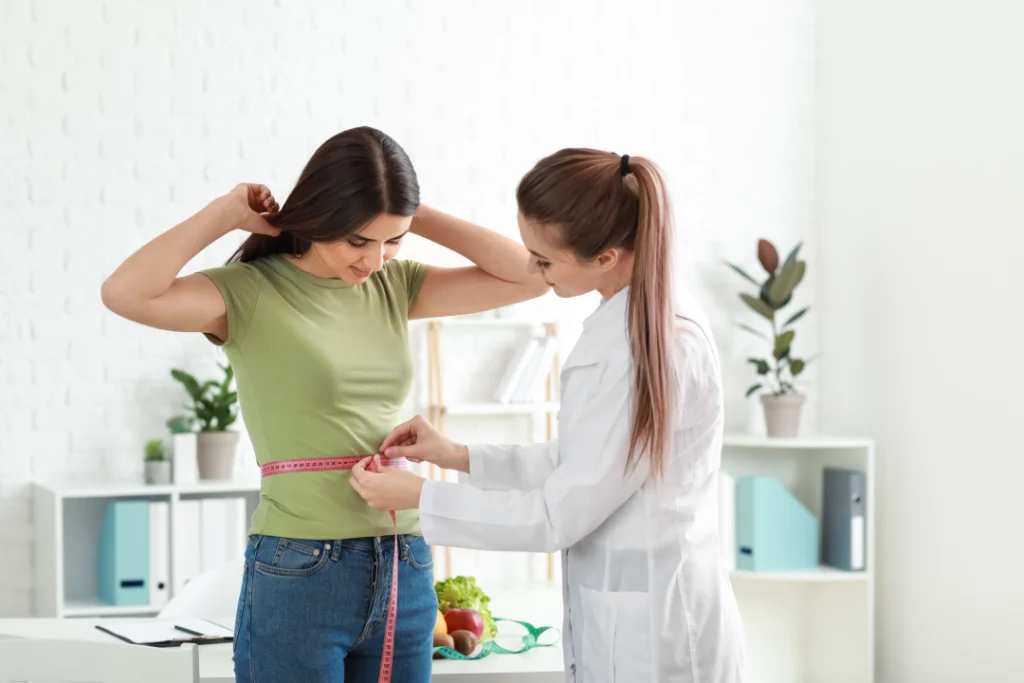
{"x":68,"y":518}
{"x":816,"y":624}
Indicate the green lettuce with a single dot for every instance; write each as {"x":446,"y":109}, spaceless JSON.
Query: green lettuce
{"x":463,"y":593}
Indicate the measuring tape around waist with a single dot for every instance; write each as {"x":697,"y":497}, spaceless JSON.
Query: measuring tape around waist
{"x":347,"y":463}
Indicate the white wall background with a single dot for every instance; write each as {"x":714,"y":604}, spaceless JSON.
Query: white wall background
{"x":921,"y":186}
{"x":120,"y":118}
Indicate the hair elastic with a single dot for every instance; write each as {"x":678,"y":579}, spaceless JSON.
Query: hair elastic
{"x":624,"y":165}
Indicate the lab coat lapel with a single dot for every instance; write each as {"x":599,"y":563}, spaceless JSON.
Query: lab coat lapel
{"x":602,"y":329}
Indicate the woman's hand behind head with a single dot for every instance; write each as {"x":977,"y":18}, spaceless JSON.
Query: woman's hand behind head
{"x":251,"y":204}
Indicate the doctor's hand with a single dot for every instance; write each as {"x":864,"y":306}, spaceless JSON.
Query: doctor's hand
{"x":386,"y":488}
{"x":417,"y":440}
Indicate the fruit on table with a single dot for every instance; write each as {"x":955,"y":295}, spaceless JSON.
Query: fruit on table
{"x":442,"y":640}
{"x":440,"y":626}
{"x":459,"y":619}
{"x":463,"y":592}
{"x":465,"y":641}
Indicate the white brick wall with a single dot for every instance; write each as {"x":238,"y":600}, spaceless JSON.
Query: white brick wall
{"x":120,"y":118}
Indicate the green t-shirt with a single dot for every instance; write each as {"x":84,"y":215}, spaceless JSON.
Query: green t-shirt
{"x":322,"y":369}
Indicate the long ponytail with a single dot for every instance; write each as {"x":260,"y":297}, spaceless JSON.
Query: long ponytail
{"x":651,"y":320}
{"x":593,"y":201}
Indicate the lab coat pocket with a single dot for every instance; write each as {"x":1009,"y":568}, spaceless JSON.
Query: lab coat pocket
{"x":616,"y":636}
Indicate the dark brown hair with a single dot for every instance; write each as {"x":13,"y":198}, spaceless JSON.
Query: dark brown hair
{"x":590,"y":206}
{"x":351,"y":179}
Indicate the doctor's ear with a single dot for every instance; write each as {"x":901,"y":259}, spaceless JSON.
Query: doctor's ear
{"x":608,"y":259}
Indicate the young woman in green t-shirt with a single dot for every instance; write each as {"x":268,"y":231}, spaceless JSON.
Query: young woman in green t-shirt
{"x":312,"y":313}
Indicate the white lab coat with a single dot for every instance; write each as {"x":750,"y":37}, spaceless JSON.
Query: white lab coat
{"x":646,"y":594}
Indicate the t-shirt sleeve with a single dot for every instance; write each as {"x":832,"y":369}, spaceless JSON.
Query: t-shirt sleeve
{"x":239,"y":284}
{"x":412,"y":275}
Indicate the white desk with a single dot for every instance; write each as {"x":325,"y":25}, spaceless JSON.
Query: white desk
{"x":540,"y":665}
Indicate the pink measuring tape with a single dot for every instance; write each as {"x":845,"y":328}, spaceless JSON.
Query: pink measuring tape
{"x":347,"y":463}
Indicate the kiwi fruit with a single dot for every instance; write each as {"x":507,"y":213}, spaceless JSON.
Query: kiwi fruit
{"x":465,"y":641}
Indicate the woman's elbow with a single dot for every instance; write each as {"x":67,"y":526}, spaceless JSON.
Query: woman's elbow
{"x":110,"y":294}
{"x":116,"y":297}
{"x":533,"y":287}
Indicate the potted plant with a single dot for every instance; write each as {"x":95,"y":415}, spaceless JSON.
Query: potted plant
{"x":181,"y":424}
{"x":214,"y":406}
{"x":157,"y":466}
{"x":781,"y":401}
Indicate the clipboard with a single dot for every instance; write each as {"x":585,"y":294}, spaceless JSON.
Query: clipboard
{"x":169,"y":632}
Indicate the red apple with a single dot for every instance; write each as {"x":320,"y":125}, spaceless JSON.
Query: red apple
{"x":464,"y":620}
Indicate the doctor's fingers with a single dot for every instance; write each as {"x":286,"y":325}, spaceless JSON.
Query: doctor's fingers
{"x":404,"y":441}
{"x":417,"y":452}
{"x":403,"y":433}
{"x":416,"y":430}
{"x":363,"y":470}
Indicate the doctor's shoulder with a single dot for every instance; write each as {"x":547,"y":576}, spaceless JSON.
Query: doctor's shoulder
{"x":698,"y":372}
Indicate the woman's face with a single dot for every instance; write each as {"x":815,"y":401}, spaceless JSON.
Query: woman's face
{"x":564,"y":273}
{"x":356,"y":257}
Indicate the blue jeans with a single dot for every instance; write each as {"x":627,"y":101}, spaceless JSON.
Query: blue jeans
{"x":314,"y":611}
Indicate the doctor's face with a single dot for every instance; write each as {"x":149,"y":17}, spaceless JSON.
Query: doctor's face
{"x":564,"y":273}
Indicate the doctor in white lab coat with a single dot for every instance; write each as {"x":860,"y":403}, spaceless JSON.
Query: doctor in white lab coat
{"x":645,"y":591}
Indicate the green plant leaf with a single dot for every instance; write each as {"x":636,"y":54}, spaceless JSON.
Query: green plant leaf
{"x":189,"y":382}
{"x":782,"y":343}
{"x":796,"y":366}
{"x":758,"y":306}
{"x":765,"y":287}
{"x":796,"y":316}
{"x":180,"y":424}
{"x":751,"y":330}
{"x":743,"y":274}
{"x":229,"y":374}
{"x":762,"y":365}
{"x":787,"y":280}
{"x":792,"y":255}
{"x":768,"y":255}
{"x":752,"y":389}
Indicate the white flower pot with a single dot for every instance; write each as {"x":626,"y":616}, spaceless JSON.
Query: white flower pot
{"x":782,"y":414}
{"x":158,"y":471}
{"x":216,"y":454}
{"x":183,"y":453}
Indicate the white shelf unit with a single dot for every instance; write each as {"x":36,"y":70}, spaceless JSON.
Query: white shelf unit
{"x":439,"y":410}
{"x":818,"y":624}
{"x":68,"y":518}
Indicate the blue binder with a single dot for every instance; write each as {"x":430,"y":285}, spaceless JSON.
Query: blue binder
{"x":123,"y":554}
{"x":774,"y":531}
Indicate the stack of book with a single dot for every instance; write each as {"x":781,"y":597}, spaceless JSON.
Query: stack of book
{"x":524,"y":378}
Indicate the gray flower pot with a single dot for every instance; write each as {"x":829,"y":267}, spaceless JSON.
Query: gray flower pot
{"x":782,"y":414}
{"x":216,"y":454}
{"x":158,"y":471}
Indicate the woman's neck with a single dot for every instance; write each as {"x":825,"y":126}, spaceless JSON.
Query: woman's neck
{"x":617,"y":279}
{"x":312,"y":264}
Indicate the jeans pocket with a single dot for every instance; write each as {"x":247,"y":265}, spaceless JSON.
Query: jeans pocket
{"x":417,"y":553}
{"x":289,"y":557}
